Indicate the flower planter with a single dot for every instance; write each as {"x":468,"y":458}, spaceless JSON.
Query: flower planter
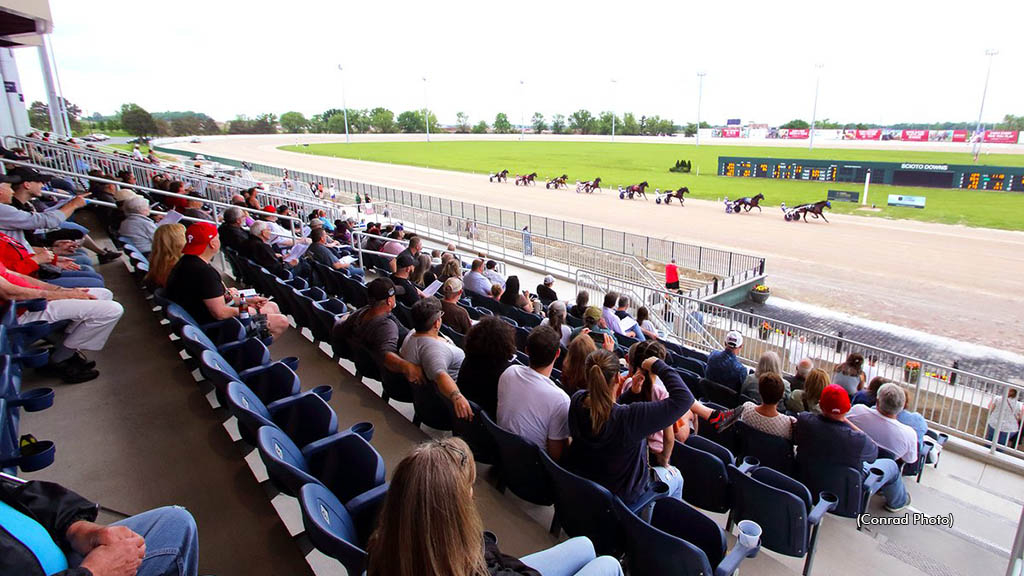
{"x":760,"y":297}
{"x":911,"y":375}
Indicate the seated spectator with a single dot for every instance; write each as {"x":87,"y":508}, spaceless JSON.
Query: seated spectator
{"x":48,"y":529}
{"x":643,"y":320}
{"x":439,"y":358}
{"x":451,"y":268}
{"x":280,"y":236}
{"x":806,"y":400}
{"x":321,"y":254}
{"x":593,"y":322}
{"x":530,"y":404}
{"x":197,"y":287}
{"x":765,"y":416}
{"x":475,"y":281}
{"x":580,"y":307}
{"x":455,"y":316}
{"x":491,"y":272}
{"x":231,"y":233}
{"x":882,"y":425}
{"x":850,"y":374}
{"x":611,"y":319}
{"x":421,"y":275}
{"x":513,"y":298}
{"x":408,"y":294}
{"x":574,"y":375}
{"x":496,"y":292}
{"x":830,"y":438}
{"x":769,"y":363}
{"x":1004,"y":417}
{"x":490,"y":345}
{"x":394,"y":245}
{"x":168,"y":242}
{"x":723,"y":365}
{"x":137,"y":227}
{"x":436,"y":481}
{"x":258,"y":249}
{"x":412,"y":250}
{"x":803,"y":368}
{"x":545,"y":291}
{"x":194,"y":208}
{"x":868,"y":396}
{"x":556,"y":319}
{"x":642,"y":386}
{"x":39,"y":263}
{"x":916,"y":422}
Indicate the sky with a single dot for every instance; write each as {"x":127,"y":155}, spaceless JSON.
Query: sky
{"x":881,"y":62}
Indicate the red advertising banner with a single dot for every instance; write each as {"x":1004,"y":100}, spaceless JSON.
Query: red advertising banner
{"x":1001,"y":136}
{"x":872,"y":134}
{"x":959,"y":135}
{"x":914,"y":136}
{"x":731,"y":133}
{"x":798,"y":133}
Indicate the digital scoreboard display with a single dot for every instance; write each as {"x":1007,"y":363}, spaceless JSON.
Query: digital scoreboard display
{"x":991,"y":181}
{"x":781,"y":170}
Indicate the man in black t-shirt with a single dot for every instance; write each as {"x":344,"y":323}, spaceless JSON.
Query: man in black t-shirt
{"x":231,"y":233}
{"x":321,"y":254}
{"x":409,"y":293}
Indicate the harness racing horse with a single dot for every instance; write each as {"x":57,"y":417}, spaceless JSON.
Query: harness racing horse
{"x":526,"y":179}
{"x":634,"y":190}
{"x":588,"y":187}
{"x":747,"y":203}
{"x":815,"y":209}
{"x":668,"y":195}
{"x":499,"y":176}
{"x":557,"y":183}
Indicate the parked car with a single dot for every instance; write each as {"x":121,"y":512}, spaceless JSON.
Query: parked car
{"x":141,"y":140}
{"x":195,"y":140}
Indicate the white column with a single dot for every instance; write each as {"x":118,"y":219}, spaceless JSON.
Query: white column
{"x":12,"y":91}
{"x":53,"y":101}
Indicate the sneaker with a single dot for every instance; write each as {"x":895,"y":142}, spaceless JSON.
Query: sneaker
{"x":895,"y":509}
{"x":722,"y":419}
{"x":108,"y":256}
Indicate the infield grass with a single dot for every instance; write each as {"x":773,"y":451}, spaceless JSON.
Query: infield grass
{"x":630,"y":163}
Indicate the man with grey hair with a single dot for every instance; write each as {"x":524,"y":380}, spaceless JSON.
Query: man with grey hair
{"x":803,"y":368}
{"x":137,"y":227}
{"x":231,"y":233}
{"x":258,"y":249}
{"x":881,"y":425}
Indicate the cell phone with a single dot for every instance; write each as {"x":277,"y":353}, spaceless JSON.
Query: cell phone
{"x":248,"y":292}
{"x":597,"y":337}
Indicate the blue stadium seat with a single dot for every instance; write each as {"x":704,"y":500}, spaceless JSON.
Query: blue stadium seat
{"x":770,"y":451}
{"x":270,"y":382}
{"x":705,"y":473}
{"x":476,"y":435}
{"x":337,"y":530}
{"x":305,"y":417}
{"x":519,"y":466}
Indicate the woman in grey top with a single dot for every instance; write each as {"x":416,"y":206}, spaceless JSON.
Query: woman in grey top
{"x":137,"y":226}
{"x":850,"y":374}
{"x":435,"y":353}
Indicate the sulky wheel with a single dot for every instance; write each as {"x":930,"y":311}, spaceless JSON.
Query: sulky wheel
{"x":657,"y":199}
{"x":787,"y":217}
{"x":622,"y":195}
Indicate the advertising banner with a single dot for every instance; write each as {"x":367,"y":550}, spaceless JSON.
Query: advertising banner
{"x":730,"y":132}
{"x":914,"y":136}
{"x":908,"y":201}
{"x":797,"y":133}
{"x":959,"y":135}
{"x":1001,"y":136}
{"x":872,"y":134}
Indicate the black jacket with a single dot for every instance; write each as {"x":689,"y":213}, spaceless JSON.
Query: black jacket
{"x":263,"y":254}
{"x":55,"y":508}
{"x":232,"y":236}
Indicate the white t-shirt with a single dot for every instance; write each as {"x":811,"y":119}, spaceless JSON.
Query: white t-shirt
{"x":1007,"y":421}
{"x":888,"y":433}
{"x":531,"y":405}
{"x":566,"y":332}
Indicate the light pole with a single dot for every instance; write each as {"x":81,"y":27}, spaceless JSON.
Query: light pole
{"x":344,"y":107}
{"x":613,"y":109}
{"x":426,"y":108}
{"x":977,"y":131}
{"x":522,"y":110}
{"x":814,"y":112}
{"x":700,"y":95}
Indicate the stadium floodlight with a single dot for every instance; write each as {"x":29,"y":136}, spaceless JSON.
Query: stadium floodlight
{"x":613,"y":109}
{"x":700,"y":95}
{"x":344,"y":107}
{"x":522,"y":110}
{"x":978,"y":137}
{"x":814,"y":111}
{"x":426,"y":109}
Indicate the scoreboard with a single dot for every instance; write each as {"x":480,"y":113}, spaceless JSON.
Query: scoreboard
{"x":1009,"y":179}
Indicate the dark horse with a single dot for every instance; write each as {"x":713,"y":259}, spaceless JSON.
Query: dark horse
{"x":499,"y":176}
{"x":526,"y":179}
{"x":557,"y":183}
{"x":816,"y":210}
{"x":747,"y":203}
{"x":634,"y":190}
{"x":669,"y":195}
{"x":588,"y":187}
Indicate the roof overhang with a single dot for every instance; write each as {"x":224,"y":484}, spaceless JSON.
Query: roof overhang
{"x":24,"y":22}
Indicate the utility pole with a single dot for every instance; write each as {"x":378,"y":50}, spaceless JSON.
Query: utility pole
{"x":700,"y":95}
{"x":344,"y":107}
{"x":613,"y":109}
{"x":984,"y":92}
{"x":426,"y":108}
{"x":814,"y":112}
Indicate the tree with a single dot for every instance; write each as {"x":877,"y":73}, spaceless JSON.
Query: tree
{"x":604,"y":123}
{"x":410,"y":122}
{"x":629,"y":126}
{"x":208,"y":125}
{"x":136,"y":121}
{"x":582,"y":122}
{"x":382,"y":120}
{"x":538,"y":123}
{"x":480,"y":128}
{"x":461,"y":123}
{"x":293,"y":122}
{"x":1011,"y":122}
{"x":336,"y":124}
{"x":796,"y":124}
{"x":501,"y":124}
{"x":240,"y":125}
{"x":265,"y":124}
{"x":691,"y":128}
{"x":39,"y":116}
{"x":558,"y":124}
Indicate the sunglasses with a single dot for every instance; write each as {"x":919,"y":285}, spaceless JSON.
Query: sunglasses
{"x":454,"y":451}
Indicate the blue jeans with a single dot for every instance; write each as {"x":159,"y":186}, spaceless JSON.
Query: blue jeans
{"x":356,"y":272}
{"x":172,"y":541}
{"x":574,"y":557}
{"x":77,"y":279}
{"x":670,"y":475}
{"x":893,"y":491}
{"x":1005,"y":438}
{"x":82,"y":259}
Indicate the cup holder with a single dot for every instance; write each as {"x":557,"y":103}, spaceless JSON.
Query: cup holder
{"x":364,"y":429}
{"x":324,"y":392}
{"x":33,"y":358}
{"x":37,"y":456}
{"x":31,"y":331}
{"x":291,"y":362}
{"x":34,"y":400}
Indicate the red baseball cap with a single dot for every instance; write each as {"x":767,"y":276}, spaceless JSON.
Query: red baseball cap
{"x":270,"y":209}
{"x":198,"y":237}
{"x":834,"y":400}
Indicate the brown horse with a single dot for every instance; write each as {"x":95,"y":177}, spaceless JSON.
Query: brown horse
{"x":669,"y":195}
{"x":499,"y":176}
{"x":526,"y":178}
{"x":557,"y":183}
{"x":634,"y":190}
{"x":747,"y":203}
{"x":588,"y":187}
{"x":816,"y":209}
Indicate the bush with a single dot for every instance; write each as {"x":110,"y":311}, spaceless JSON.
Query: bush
{"x":682,"y":166}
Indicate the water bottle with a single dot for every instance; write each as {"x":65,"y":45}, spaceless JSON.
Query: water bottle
{"x":243,"y":309}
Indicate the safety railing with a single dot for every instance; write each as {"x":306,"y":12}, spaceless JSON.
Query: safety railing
{"x":360,"y":238}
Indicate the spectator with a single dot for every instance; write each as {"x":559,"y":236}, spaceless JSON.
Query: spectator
{"x":38,"y":263}
{"x":258,"y":249}
{"x":556,"y":319}
{"x":574,"y":375}
{"x":475,"y":281}
{"x":280,"y":236}
{"x":231,"y":233}
{"x":672,"y":276}
{"x":1004,"y":416}
{"x":830,"y":438}
{"x":194,"y":208}
{"x":168,"y":241}
{"x":490,"y":345}
{"x":455,"y":316}
{"x":882,"y":425}
{"x":850,"y":374}
{"x":530,"y":404}
{"x":916,"y":422}
{"x":16,"y":223}
{"x":807,"y":400}
{"x":580,"y":308}
{"x":421,"y":275}
{"x":765,"y":416}
{"x":496,"y":292}
{"x":513,"y":298}
{"x":435,"y":353}
{"x":643,"y":320}
{"x":451,"y":268}
{"x":413,"y":249}
{"x":375,"y":330}
{"x":394,"y":245}
{"x":48,"y":529}
{"x":622,"y":313}
{"x":642,"y":386}
{"x":527,"y":242}
{"x":197,"y":287}
{"x":803,"y":368}
{"x":769,"y":363}
{"x":723,"y":365}
{"x":491,"y":272}
{"x":137,"y":227}
{"x":545,"y":291}
{"x":436,"y":481}
{"x":871,"y":370}
{"x":611,"y":320}
{"x":409,"y":293}
{"x":321,"y":254}
{"x":868,"y":396}
{"x":593,"y":323}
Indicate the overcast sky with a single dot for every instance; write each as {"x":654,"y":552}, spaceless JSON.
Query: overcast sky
{"x":883,"y":62}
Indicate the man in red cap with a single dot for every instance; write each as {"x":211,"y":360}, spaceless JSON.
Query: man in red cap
{"x":830,"y":439}
{"x":196,"y":285}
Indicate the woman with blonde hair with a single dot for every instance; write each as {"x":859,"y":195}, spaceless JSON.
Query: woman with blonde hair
{"x":429,"y":525}
{"x":769,"y":363}
{"x":574,"y":376}
{"x":806,"y":400}
{"x":168,"y":241}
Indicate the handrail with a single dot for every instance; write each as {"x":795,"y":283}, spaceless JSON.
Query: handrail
{"x":356,"y":234}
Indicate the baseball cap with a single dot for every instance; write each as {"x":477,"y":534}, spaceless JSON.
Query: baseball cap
{"x":405,"y":260}
{"x":549,"y":279}
{"x":734,"y":339}
{"x":9,"y":179}
{"x":28,"y":175}
{"x":198,"y":236}
{"x":380,"y":289}
{"x":270,"y":209}
{"x":592,"y":313}
{"x":834,"y":400}
{"x":452,"y":286}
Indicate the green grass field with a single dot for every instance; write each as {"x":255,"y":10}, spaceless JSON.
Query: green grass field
{"x":630,"y":163}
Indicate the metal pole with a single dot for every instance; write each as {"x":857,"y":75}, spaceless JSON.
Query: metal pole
{"x":426,"y":108}
{"x":522,"y":110}
{"x":700,"y":95}
{"x":613,"y":109}
{"x":56,"y":123}
{"x":984,"y":92}
{"x":814,"y":112}
{"x":344,"y":107}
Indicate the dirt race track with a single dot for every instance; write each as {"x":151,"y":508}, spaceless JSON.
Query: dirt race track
{"x":954,"y":281}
